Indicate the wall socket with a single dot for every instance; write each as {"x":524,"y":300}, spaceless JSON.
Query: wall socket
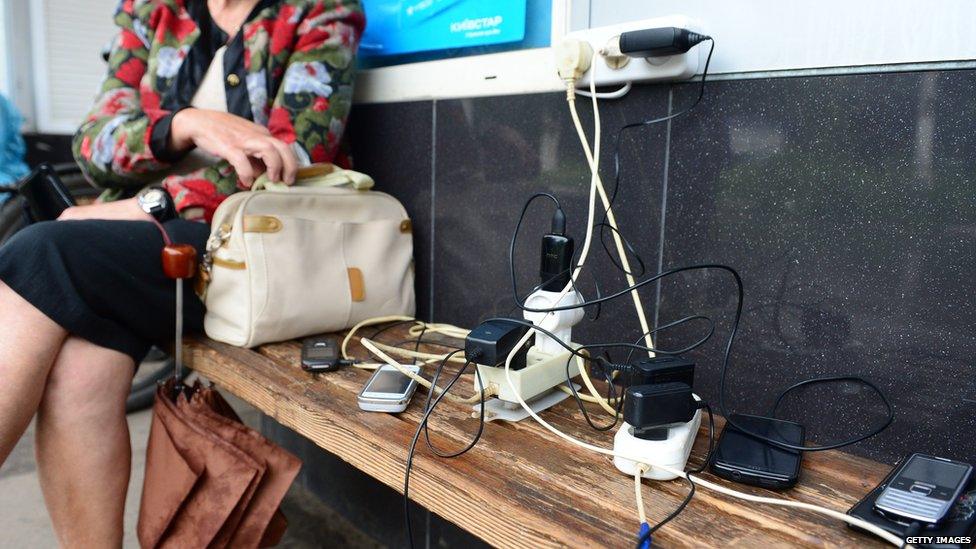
{"x":611,"y":68}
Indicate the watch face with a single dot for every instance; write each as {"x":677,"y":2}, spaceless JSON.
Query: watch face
{"x":153,"y":197}
{"x":153,"y":201}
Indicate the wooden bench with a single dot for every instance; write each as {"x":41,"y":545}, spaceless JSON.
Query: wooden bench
{"x":521,"y":485}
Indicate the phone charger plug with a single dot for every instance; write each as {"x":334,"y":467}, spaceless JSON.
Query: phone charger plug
{"x":662,"y":369}
{"x":671,"y":451}
{"x":491,"y":342}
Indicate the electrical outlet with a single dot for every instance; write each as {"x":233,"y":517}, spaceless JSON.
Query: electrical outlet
{"x":610,"y":67}
{"x":542,"y":372}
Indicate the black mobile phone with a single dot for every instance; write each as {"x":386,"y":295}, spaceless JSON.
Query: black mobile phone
{"x":320,"y":354}
{"x":749,"y":460}
{"x":45,"y":194}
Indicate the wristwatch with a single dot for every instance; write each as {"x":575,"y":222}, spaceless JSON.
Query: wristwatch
{"x":156,"y":202}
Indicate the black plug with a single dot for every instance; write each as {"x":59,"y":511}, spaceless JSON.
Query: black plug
{"x":652,"y":409}
{"x":662,"y":369}
{"x":659,"y":42}
{"x":491,"y":342}
{"x":557,"y":255}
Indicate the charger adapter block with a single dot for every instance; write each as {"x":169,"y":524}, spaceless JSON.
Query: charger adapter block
{"x":491,"y":342}
{"x":662,"y":369}
{"x":652,"y":408}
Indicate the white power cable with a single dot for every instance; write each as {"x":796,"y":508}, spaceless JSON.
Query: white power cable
{"x":488,"y":391}
{"x":593,"y":159}
{"x":616,"y":94}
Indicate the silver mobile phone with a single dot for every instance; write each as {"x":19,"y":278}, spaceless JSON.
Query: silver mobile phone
{"x":924,"y":488}
{"x":388,"y":390}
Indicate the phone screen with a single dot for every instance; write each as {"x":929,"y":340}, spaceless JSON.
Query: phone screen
{"x":320,"y":350}
{"x":933,"y":471}
{"x":744,"y":451}
{"x":388,"y":381}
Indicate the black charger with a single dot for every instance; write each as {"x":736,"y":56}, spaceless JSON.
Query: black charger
{"x":652,"y":409}
{"x":557,"y":255}
{"x":662,"y":369}
{"x":492,"y":341}
{"x":659,"y":42}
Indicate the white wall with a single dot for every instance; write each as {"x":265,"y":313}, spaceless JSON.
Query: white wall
{"x":776,"y":35}
{"x":67,"y":37}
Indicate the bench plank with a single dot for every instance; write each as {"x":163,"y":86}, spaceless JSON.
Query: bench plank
{"x":521,"y":485}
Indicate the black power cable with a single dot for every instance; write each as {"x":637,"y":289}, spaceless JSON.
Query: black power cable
{"x":728,"y":353}
{"x":691,"y":483}
{"x":643,"y":123}
{"x":429,"y":406}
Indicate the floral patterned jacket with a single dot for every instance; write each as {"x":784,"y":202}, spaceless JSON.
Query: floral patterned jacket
{"x":290,"y":68}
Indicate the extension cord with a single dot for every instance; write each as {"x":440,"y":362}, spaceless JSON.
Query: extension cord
{"x":672,"y":452}
{"x":543,"y":371}
{"x":502,"y":410}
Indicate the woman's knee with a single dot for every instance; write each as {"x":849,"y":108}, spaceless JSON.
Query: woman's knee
{"x":87,"y":380}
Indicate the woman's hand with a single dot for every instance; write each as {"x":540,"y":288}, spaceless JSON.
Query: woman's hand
{"x":125,"y":210}
{"x":249,"y":147}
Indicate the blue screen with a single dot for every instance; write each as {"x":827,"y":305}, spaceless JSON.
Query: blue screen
{"x":408,"y":31}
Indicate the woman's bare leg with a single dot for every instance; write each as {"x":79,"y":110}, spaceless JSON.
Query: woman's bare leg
{"x":83,"y":451}
{"x":29,"y":341}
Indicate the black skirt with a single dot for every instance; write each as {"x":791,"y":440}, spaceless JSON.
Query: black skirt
{"x":103,"y":280}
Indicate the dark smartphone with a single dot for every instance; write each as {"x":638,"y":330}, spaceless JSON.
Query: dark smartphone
{"x":320,"y":354}
{"x":749,"y":460}
{"x":45,"y":194}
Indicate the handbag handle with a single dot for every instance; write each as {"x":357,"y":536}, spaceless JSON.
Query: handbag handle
{"x":319,"y":175}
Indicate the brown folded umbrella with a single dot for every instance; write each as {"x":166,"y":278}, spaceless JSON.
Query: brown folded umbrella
{"x":210,"y":481}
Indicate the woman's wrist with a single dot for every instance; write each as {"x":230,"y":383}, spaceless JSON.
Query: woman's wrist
{"x":183,"y":130}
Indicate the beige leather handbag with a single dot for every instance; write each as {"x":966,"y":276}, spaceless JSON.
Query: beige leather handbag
{"x":288,"y":262}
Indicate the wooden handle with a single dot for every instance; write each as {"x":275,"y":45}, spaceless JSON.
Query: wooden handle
{"x":179,"y":261}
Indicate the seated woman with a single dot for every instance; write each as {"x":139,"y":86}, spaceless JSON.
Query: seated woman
{"x":201,"y":97}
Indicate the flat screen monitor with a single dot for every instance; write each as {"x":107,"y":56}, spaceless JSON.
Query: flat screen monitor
{"x":409,"y":31}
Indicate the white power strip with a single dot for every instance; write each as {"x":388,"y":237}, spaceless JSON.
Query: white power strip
{"x":674,"y":67}
{"x":671,"y":452}
{"x":543,"y":371}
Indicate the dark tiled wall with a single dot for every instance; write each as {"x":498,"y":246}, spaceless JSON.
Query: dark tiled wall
{"x":847,"y":203}
{"x":849,"y":206}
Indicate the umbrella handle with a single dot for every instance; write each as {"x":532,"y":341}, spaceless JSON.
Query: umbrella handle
{"x":179,"y":263}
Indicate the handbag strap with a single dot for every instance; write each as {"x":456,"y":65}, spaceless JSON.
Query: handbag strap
{"x":319,"y":175}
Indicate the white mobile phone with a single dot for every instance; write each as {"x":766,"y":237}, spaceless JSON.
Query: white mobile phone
{"x":388,"y":390}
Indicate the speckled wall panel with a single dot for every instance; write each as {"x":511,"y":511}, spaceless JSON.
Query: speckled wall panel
{"x":848,"y":204}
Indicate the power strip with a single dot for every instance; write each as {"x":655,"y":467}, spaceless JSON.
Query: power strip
{"x":534,"y":384}
{"x":671,"y":452}
{"x":610,"y":68}
{"x":542,"y":372}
